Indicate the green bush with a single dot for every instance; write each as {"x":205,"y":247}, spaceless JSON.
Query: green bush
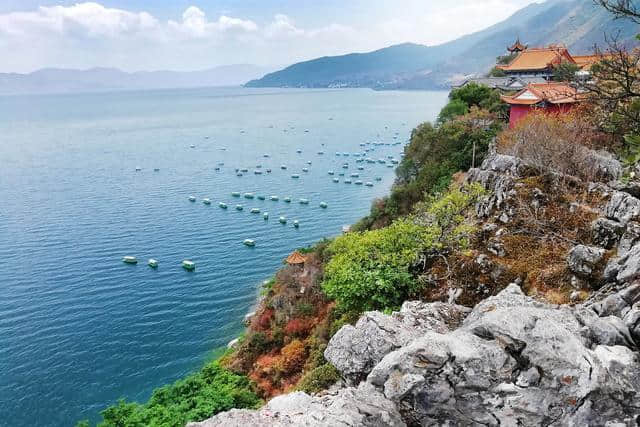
{"x":471,"y":95}
{"x":375,"y":270}
{"x":455,"y":108}
{"x":199,"y":396}
{"x":319,"y":379}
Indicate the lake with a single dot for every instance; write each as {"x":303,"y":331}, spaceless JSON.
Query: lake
{"x":78,"y":327}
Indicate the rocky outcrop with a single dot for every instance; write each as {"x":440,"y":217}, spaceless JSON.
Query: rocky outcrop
{"x":517,"y":362}
{"x":361,"y":406}
{"x":356,"y":350}
{"x":606,"y":232}
{"x":622,"y":207}
{"x":582,"y":260}
{"x":512,"y":361}
{"x":496,"y":175}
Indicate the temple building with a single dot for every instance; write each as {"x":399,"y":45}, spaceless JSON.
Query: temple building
{"x":551,"y":97}
{"x":537,"y":62}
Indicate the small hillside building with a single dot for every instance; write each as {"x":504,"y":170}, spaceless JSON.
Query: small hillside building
{"x":550,"y":97}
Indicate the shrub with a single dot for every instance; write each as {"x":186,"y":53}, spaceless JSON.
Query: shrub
{"x":195,"y":398}
{"x":461,"y":100}
{"x":319,"y":379}
{"x":455,"y":108}
{"x":560,"y":142}
{"x":370,"y":270}
{"x":293,"y":356}
{"x":298,"y":327}
{"x":305,"y":309}
{"x":374,"y":270}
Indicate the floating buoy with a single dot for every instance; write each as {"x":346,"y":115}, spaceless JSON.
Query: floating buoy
{"x":323,"y":205}
{"x":188,"y":265}
{"x":152,"y":263}
{"x":249,"y":242}
{"x":130,"y":260}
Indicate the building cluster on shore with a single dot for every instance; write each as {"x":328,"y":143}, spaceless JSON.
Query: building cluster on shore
{"x":527,"y":80}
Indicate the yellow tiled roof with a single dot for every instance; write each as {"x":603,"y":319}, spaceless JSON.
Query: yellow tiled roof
{"x":538,"y":59}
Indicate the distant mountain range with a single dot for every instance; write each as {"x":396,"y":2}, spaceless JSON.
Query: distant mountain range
{"x":579,"y":24}
{"x":56,"y":80}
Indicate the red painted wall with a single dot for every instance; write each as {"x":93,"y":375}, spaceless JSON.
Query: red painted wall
{"x":519,"y":112}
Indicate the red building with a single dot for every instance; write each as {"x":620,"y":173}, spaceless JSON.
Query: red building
{"x":551,"y":97}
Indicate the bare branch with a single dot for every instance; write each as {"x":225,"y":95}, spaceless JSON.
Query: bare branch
{"x":622,"y":9}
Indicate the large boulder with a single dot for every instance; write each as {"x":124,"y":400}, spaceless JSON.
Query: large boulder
{"x":355,"y":350}
{"x":582,"y":260}
{"x":606,"y":232}
{"x":362,"y":406}
{"x":516,"y":362}
{"x":626,"y":268}
{"x":622,"y":207}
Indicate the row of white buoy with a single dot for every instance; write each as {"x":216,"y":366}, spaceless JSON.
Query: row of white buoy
{"x":153,"y":263}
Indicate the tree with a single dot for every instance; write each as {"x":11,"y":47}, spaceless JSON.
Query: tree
{"x":622,"y":9}
{"x":455,"y":108}
{"x":565,"y":72}
{"x":506,"y":59}
{"x":471,"y":95}
{"x":497,"y":72}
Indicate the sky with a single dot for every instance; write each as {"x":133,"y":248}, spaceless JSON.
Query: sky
{"x":186,"y":35}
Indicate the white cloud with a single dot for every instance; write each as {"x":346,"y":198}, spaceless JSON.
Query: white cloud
{"x":195,"y":23}
{"x":89,"y":34}
{"x":90,"y":19}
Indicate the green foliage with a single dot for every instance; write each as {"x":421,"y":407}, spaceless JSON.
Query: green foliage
{"x":630,"y":154}
{"x":433,"y":155}
{"x":374,"y":270}
{"x":565,"y":72}
{"x":199,"y":396}
{"x":455,"y":108}
{"x":497,"y":72}
{"x":319,"y":379}
{"x":471,"y":95}
{"x":506,"y":59}
{"x":305,"y":309}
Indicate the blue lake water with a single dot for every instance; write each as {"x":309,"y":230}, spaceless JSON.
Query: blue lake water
{"x":78,"y":328}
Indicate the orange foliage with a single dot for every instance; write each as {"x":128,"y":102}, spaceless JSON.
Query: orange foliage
{"x":294,"y":355}
{"x":298,"y":327}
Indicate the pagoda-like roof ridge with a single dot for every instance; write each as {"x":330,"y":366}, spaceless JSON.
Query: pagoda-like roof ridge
{"x":296,"y":258}
{"x":517,"y":46}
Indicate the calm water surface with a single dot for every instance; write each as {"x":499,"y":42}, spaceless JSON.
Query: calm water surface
{"x":78,"y":328}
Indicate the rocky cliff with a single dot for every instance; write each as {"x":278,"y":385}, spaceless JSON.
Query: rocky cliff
{"x":514,"y":358}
